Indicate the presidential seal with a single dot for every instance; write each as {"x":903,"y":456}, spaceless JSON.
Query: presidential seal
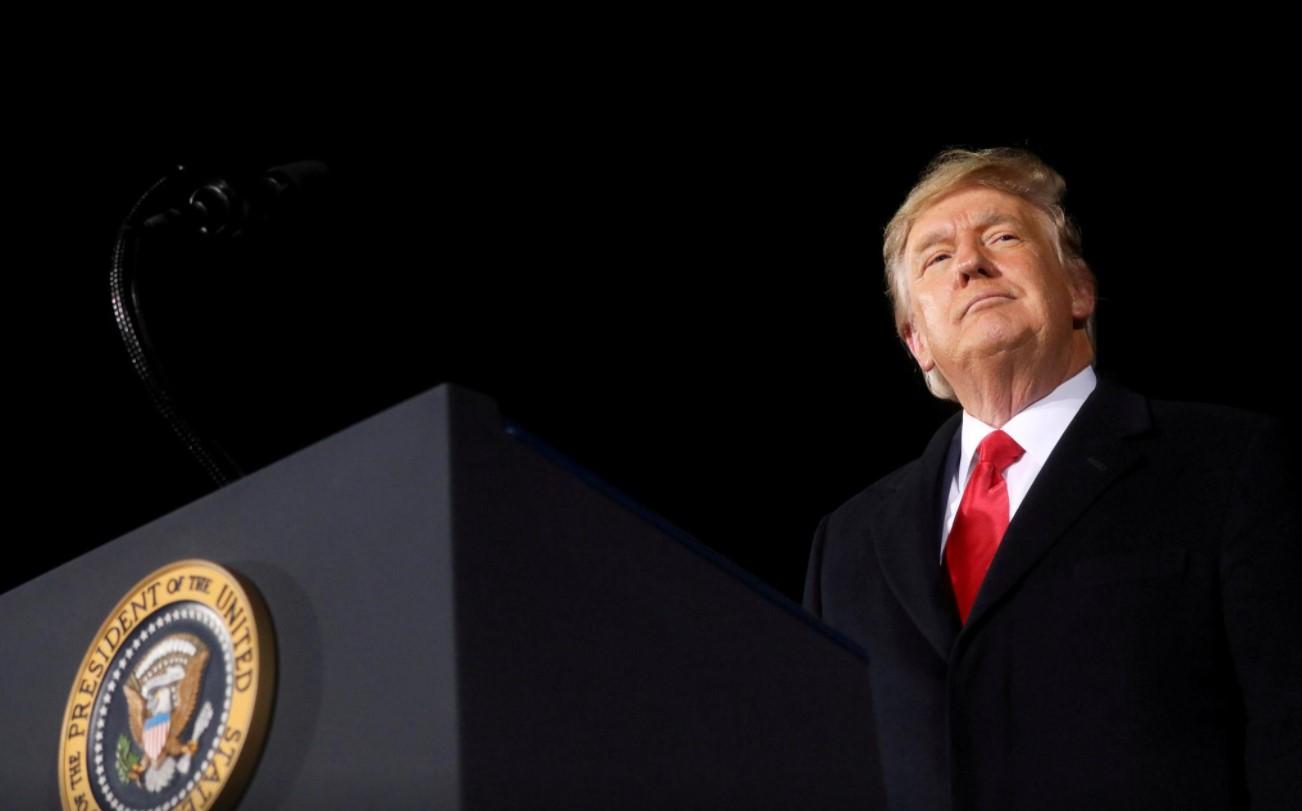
{"x":170,"y":705}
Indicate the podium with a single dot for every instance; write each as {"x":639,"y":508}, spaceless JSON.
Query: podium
{"x":465,"y":619}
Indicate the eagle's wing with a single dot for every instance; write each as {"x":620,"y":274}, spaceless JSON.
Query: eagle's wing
{"x":135,"y":711}
{"x":187,"y":692}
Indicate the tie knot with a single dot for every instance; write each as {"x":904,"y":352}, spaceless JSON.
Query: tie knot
{"x":999,"y":450}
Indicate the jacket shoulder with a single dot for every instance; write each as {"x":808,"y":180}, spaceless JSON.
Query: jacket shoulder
{"x":1195,"y":416}
{"x":869,"y":499}
{"x":1217,"y":432}
{"x":841,"y":534}
{"x":918,"y":475}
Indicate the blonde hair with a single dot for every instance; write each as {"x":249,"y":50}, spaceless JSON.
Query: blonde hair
{"x":1014,"y":171}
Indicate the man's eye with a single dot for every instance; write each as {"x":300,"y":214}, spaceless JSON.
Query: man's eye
{"x":1003,"y":237}
{"x":933,"y":260}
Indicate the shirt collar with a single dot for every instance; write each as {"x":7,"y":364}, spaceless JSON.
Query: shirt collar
{"x":1037,"y":427}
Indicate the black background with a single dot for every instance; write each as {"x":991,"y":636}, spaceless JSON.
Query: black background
{"x":674,"y":279}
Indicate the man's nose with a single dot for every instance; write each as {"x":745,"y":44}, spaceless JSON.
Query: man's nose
{"x":970,"y":262}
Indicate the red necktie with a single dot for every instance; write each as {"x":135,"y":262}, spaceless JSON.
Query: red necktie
{"x":982,"y":519}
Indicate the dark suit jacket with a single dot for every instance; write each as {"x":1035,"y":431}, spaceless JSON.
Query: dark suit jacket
{"x":1137,"y":642}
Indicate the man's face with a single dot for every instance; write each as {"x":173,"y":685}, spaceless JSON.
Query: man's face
{"x":984,"y":279}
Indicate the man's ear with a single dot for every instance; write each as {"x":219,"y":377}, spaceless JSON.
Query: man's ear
{"x":917,"y":344}
{"x":1082,"y":299}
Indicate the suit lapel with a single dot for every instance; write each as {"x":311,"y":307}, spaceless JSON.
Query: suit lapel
{"x":1091,"y":454}
{"x":907,"y":534}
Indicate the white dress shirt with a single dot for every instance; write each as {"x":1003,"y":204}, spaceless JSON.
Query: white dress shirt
{"x":1037,"y":428}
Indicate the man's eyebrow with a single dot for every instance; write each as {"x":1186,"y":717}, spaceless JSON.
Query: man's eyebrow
{"x":985,"y":219}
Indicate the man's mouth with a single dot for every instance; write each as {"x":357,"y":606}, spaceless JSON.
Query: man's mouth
{"x":989,"y":299}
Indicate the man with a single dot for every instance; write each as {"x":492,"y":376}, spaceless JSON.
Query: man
{"x":1076,"y":597}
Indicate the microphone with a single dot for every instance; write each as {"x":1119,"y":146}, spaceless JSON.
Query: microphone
{"x":217,"y":207}
{"x":221,"y":207}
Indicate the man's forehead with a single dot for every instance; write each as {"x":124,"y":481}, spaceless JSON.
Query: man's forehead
{"x":936,"y":221}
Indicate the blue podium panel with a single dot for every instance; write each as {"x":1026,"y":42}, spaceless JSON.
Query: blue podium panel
{"x":464,"y":620}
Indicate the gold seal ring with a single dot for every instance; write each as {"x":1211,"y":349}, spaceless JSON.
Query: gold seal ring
{"x":169,"y":708}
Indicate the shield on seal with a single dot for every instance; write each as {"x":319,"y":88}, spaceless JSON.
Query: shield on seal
{"x":156,"y":734}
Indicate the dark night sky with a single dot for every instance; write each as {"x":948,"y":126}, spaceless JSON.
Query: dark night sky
{"x":681,"y":290}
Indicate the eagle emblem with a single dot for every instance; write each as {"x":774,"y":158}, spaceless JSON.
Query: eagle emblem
{"x":162,"y":693}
